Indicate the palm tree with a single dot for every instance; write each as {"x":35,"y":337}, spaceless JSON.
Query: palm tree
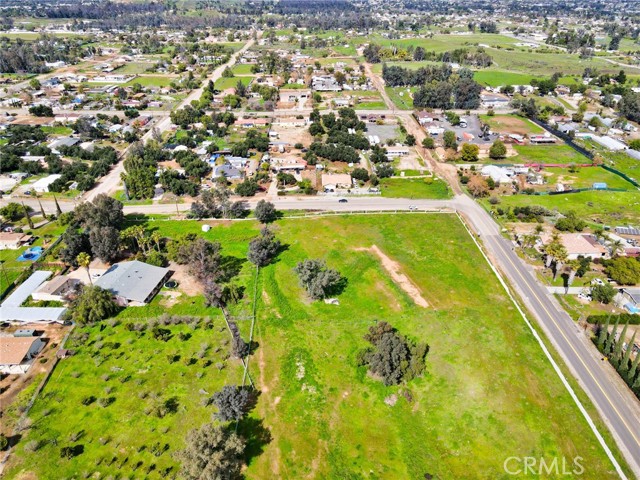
{"x":84,"y":260}
{"x":615,"y":247}
{"x":555,"y":251}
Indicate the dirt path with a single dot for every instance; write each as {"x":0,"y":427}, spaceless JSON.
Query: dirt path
{"x":394,"y":269}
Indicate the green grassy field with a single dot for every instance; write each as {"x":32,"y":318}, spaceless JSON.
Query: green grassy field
{"x":152,"y":81}
{"x":224,"y":83}
{"x":242,"y":69}
{"x":134,"y":68}
{"x":489,"y":392}
{"x":60,"y":130}
{"x":547,"y":154}
{"x":413,"y":188}
{"x":496,"y":78}
{"x":404,"y":102}
{"x":611,"y":208}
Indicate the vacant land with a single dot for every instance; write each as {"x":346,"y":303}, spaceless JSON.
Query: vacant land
{"x":611,"y":208}
{"x":585,"y":177}
{"x":414,"y":188}
{"x":511,"y":124}
{"x":480,"y":401}
{"x":547,"y":154}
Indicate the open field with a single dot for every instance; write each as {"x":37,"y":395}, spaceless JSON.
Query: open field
{"x":402,"y":102}
{"x":152,"y":81}
{"x":225,"y":83}
{"x":496,"y":78}
{"x":547,"y":154}
{"x":611,"y":208}
{"x":242,"y":69}
{"x":584,"y":178}
{"x":413,"y":188}
{"x":511,"y":124}
{"x":480,"y":401}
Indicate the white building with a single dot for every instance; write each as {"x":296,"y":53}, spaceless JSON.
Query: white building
{"x":42,"y":185}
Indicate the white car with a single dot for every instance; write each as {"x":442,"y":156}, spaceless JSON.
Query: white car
{"x":597,"y":281}
{"x":413,"y":208}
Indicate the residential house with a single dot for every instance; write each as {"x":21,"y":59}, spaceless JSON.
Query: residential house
{"x":133,"y":283}
{"x":336,"y":181}
{"x":56,"y":289}
{"x":579,"y":244}
{"x":13,"y":241}
{"x":17,"y":353}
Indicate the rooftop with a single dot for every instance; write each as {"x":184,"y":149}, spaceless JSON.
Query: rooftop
{"x":14,"y":349}
{"x":134,"y":281}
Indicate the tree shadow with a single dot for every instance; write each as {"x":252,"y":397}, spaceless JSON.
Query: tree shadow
{"x":565,"y":280}
{"x":337,"y":288}
{"x":256,"y":436}
{"x":230,"y":267}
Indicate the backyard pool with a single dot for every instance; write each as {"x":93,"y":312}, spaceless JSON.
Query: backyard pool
{"x":32,"y":254}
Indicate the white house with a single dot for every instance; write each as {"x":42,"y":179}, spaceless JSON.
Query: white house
{"x":42,"y":185}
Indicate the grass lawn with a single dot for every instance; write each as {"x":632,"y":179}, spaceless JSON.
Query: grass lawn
{"x":547,"y":154}
{"x":134,"y":67}
{"x":57,"y":130}
{"x":152,"y":81}
{"x":496,"y":78}
{"x":226,"y":82}
{"x":413,"y":188}
{"x":242,"y":69}
{"x":611,"y":208}
{"x":402,"y":102}
{"x":489,"y":392}
{"x":511,"y":124}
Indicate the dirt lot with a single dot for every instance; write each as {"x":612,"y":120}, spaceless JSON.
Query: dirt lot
{"x":12,"y":385}
{"x":393,"y":268}
{"x":293,"y":135}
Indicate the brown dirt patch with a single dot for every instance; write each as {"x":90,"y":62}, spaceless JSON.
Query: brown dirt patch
{"x":393,"y":268}
{"x":187,"y":284}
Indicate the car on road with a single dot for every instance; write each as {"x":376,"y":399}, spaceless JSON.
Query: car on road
{"x":413,"y":208}
{"x":343,"y":200}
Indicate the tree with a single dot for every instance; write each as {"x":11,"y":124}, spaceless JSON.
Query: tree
{"x":4,"y":442}
{"x":75,"y":242}
{"x":212,"y":453}
{"x":41,"y":111}
{"x":265,"y":212}
{"x":393,"y":357}
{"x":624,"y":270}
{"x":84,"y":260}
{"x":498,"y":150}
{"x":233,"y":402}
{"x":634,"y":144}
{"x":428,"y":142}
{"x":214,"y":295}
{"x":603,"y":293}
{"x":449,"y":140}
{"x":410,"y":140}
{"x":203,"y":259}
{"x":104,"y":211}
{"x":264,"y":248}
{"x":12,"y":211}
{"x":248,"y":188}
{"x":105,"y":243}
{"x":319,"y":281}
{"x":93,"y":305}
{"x":385,"y":170}
{"x":478,"y":186}
{"x":360,"y":174}
{"x":469,"y":152}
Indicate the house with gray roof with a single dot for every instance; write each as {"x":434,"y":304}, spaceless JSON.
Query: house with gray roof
{"x":133,"y":283}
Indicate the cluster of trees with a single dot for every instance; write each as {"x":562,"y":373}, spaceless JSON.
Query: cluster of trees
{"x":20,"y":56}
{"x":396,"y":76}
{"x":461,"y":93}
{"x":392,"y":356}
{"x":101,"y":158}
{"x":318,"y":280}
{"x":612,"y":345}
{"x":254,"y":140}
{"x":623,"y":270}
{"x":339,"y":145}
{"x":93,"y":228}
{"x":216,"y":203}
{"x":477,"y":58}
{"x":572,"y":40}
{"x":570,"y":222}
{"x":140,"y":168}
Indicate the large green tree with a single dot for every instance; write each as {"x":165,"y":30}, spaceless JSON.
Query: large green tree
{"x":93,"y":305}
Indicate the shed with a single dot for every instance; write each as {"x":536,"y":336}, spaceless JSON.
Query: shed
{"x":17,"y":353}
{"x":24,"y":332}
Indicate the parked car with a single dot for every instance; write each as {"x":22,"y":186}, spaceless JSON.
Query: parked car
{"x":343,"y":200}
